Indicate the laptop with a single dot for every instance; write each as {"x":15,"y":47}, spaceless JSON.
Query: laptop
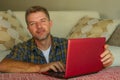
{"x":83,"y":57}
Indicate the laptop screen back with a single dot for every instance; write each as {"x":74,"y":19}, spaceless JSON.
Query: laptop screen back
{"x":83,"y":56}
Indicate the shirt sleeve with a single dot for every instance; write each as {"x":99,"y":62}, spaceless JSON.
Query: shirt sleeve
{"x":17,"y":53}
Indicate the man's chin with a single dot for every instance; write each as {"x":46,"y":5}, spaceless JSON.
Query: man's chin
{"x":42,"y":38}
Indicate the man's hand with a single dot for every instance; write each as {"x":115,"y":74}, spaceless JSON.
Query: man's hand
{"x":107,"y":57}
{"x":55,"y":66}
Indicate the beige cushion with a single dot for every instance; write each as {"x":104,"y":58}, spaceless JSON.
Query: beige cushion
{"x":93,"y":27}
{"x":11,"y":31}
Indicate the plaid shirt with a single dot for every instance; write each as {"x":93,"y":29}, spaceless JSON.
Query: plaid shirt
{"x":28,"y":51}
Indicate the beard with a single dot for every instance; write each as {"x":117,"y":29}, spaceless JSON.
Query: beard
{"x":41,"y":38}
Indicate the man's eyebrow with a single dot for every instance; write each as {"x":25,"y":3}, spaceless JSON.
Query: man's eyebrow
{"x":40,"y":19}
{"x":44,"y":19}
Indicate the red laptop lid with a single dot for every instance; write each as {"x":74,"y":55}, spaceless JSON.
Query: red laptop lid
{"x":83,"y":56}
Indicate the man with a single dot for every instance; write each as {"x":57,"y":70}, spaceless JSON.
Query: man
{"x":43,"y":52}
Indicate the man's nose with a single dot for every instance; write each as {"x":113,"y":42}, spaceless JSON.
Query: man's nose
{"x":39,"y":25}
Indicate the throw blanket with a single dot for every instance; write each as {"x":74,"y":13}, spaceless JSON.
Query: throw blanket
{"x":111,"y":73}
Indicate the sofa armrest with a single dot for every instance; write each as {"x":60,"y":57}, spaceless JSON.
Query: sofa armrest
{"x":116,"y":53}
{"x":3,"y":54}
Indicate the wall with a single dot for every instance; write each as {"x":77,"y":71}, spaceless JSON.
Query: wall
{"x":107,"y":8}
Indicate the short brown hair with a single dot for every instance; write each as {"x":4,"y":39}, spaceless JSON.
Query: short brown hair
{"x":36,"y":9}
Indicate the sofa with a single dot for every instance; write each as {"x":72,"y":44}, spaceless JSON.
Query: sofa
{"x":66,"y":24}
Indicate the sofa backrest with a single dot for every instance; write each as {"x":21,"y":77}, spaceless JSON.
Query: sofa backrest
{"x":63,"y":21}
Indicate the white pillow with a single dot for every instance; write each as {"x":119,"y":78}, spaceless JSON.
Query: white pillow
{"x":116,"y":53}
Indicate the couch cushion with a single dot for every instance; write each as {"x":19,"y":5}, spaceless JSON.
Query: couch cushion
{"x":11,"y":31}
{"x":114,"y":40}
{"x":93,"y":27}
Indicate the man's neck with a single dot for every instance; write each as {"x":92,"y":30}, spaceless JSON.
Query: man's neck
{"x":43,"y":44}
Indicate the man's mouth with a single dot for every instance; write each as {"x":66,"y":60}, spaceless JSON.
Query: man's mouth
{"x":40,"y":31}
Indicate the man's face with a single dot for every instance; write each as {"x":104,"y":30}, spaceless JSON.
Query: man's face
{"x":39,"y":25}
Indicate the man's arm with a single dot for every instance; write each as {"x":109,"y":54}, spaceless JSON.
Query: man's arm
{"x":9,"y":65}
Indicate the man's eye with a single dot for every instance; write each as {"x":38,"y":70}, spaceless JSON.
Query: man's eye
{"x":31,"y":24}
{"x":43,"y":20}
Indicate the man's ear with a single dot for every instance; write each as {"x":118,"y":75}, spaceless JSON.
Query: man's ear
{"x":51,"y":23}
{"x":28,"y":28}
